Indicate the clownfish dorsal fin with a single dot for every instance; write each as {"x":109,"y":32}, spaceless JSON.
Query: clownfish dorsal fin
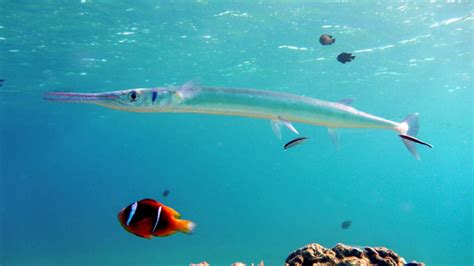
{"x":152,"y":202}
{"x":173,"y":212}
{"x":149,"y":201}
{"x":157,"y":204}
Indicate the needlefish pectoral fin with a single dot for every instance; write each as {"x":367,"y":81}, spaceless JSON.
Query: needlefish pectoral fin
{"x":276,"y":126}
{"x":288,"y":125}
{"x":187,"y":91}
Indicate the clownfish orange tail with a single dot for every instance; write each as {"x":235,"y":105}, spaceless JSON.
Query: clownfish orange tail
{"x":185,"y":226}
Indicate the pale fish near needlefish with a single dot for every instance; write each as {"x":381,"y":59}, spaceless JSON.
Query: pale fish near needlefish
{"x":280,"y":108}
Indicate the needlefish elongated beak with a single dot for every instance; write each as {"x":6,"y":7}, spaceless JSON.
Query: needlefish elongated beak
{"x":132,"y":100}
{"x":79,"y":97}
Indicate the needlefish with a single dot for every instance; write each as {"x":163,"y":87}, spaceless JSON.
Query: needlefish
{"x":282,"y":109}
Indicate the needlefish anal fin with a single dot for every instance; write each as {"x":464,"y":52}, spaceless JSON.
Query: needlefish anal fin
{"x":334,"y":137}
{"x":333,"y":133}
{"x":277,"y":123}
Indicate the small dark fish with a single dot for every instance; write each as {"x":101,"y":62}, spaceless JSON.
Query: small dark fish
{"x":345,"y":57}
{"x":410,"y":138}
{"x":413,"y":263}
{"x":327,"y":39}
{"x":166,"y":193}
{"x":295,"y":142}
{"x":1,"y":82}
{"x":346,"y":224}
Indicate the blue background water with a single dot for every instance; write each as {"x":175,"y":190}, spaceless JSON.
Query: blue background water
{"x":66,"y":170}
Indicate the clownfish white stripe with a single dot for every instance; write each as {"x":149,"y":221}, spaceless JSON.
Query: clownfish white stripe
{"x":132,"y":212}
{"x":157,"y":219}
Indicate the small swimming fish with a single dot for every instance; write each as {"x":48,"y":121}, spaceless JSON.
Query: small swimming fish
{"x":345,"y":57}
{"x":1,"y":82}
{"x":327,"y":39}
{"x":295,"y":142}
{"x":346,"y":224}
{"x":166,"y":193}
{"x":410,"y":138}
{"x":147,"y":218}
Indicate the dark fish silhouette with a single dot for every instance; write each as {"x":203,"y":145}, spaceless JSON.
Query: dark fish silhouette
{"x":295,"y":142}
{"x":327,"y":39}
{"x":410,"y":138}
{"x":1,"y":82}
{"x":346,"y":224}
{"x":166,"y":193}
{"x":345,"y":57}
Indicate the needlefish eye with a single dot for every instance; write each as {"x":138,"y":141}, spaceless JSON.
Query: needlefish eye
{"x":133,"y":96}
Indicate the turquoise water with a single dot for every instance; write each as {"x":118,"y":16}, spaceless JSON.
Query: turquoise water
{"x":67,"y":169}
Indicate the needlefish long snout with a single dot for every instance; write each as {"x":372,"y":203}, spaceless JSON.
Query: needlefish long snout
{"x":281,"y":108}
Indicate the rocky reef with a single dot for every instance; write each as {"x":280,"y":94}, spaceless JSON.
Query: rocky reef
{"x":315,"y":255}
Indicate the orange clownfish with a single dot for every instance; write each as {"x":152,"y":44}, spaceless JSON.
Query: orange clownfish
{"x":147,"y":218}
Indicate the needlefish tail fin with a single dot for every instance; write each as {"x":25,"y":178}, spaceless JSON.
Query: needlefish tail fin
{"x":408,"y":131}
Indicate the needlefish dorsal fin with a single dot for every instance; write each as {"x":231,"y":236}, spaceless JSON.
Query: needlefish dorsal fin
{"x":347,"y":101}
{"x":277,"y":123}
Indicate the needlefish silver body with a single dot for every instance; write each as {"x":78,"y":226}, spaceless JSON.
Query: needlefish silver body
{"x":280,"y":108}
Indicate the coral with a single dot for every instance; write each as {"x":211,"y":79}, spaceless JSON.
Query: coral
{"x":199,"y":264}
{"x":315,"y":255}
